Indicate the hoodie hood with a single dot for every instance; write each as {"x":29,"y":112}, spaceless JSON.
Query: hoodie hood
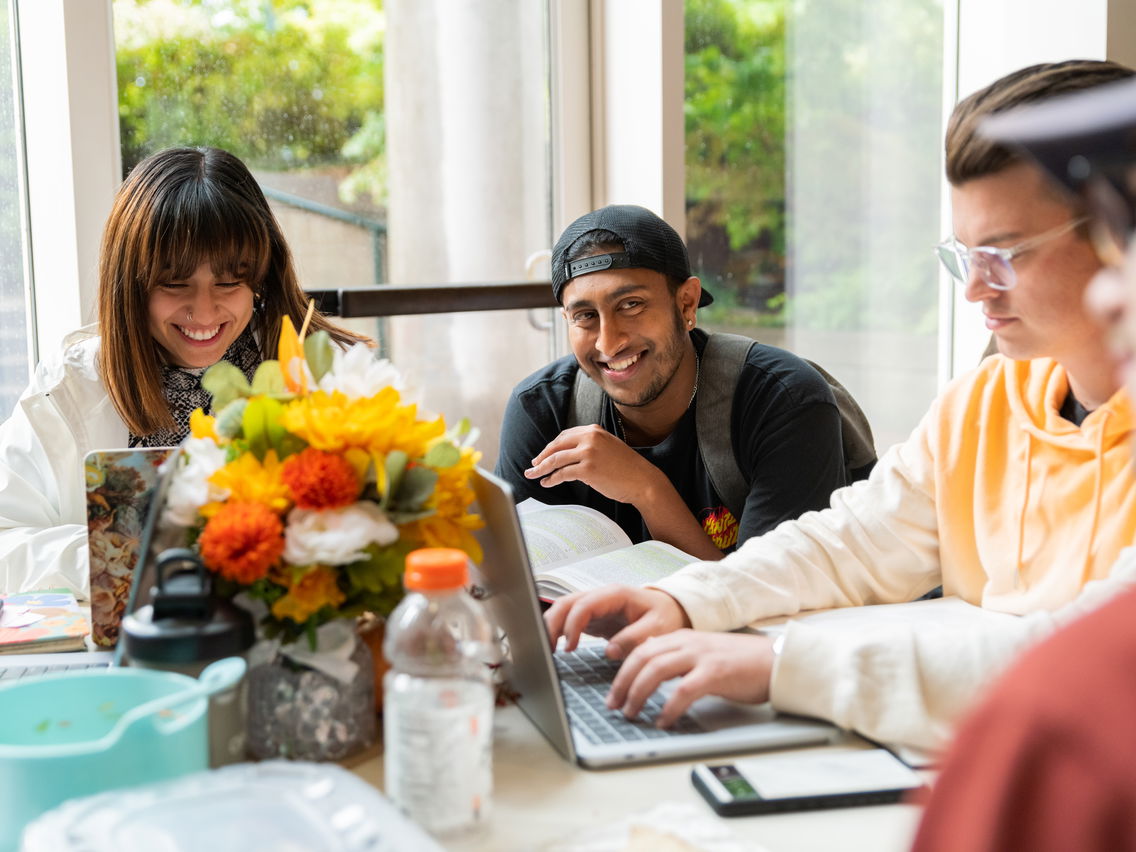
{"x":1030,"y":505}
{"x":1037,"y":389}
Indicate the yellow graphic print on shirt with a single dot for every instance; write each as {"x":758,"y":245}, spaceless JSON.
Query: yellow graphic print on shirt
{"x":721,"y":526}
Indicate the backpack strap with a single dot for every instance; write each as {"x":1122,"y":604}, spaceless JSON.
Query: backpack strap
{"x":721,"y":364}
{"x":855,"y":430}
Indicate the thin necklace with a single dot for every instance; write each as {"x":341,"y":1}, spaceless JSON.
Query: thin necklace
{"x":697,"y":374}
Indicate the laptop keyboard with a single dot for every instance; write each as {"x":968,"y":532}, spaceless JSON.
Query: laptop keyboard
{"x":10,"y":673}
{"x":585,"y":677}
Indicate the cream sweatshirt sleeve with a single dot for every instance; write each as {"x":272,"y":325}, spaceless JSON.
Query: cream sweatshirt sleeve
{"x":906,"y":684}
{"x":878,"y":542}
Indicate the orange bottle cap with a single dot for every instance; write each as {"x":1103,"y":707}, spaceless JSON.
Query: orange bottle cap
{"x":433,"y":569}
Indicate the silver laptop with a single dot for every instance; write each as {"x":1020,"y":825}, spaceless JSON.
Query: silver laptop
{"x":563,"y":693}
{"x":125,"y":493}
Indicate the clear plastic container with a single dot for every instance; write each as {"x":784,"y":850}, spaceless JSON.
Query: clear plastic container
{"x":438,"y":697}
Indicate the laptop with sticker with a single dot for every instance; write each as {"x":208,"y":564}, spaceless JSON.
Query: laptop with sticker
{"x":122,"y":509}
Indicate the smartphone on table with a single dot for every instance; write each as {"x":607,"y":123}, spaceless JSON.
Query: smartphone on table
{"x":824,"y":778}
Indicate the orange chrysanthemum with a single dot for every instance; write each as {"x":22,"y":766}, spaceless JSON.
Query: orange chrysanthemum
{"x":320,"y":480}
{"x":242,"y":541}
{"x":313,"y":591}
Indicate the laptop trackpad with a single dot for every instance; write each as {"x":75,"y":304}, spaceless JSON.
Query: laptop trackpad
{"x":713,"y":713}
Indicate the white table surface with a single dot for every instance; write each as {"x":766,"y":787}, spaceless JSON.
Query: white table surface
{"x":539,"y":799}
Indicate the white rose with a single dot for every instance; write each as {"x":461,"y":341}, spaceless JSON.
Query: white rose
{"x":356,"y":372}
{"x":335,"y":536}
{"x":190,"y":489}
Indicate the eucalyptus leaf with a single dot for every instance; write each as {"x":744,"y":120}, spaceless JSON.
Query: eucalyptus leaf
{"x":415,"y":489}
{"x":394,"y":465}
{"x":229,"y":421}
{"x":319,"y":354}
{"x":226,"y":383}
{"x":398,"y":517}
{"x":443,"y":454}
{"x":268,"y":380}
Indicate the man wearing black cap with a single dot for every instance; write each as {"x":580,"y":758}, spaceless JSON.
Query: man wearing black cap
{"x":1048,"y":762}
{"x":623,"y":278}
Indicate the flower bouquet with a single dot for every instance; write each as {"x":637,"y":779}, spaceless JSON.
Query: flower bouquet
{"x":305,"y":492}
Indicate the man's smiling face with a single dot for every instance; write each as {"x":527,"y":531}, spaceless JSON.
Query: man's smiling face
{"x":628,"y":331}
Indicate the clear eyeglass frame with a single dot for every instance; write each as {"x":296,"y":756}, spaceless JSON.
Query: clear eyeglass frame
{"x":994,"y":264}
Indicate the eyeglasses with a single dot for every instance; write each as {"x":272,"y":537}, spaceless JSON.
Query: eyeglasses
{"x":994,"y":264}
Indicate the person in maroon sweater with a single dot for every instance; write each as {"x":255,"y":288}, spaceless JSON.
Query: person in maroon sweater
{"x":1048,"y":760}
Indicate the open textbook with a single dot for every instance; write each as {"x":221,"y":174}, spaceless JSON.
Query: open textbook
{"x":572,"y":548}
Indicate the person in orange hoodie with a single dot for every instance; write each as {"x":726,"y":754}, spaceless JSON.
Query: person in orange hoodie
{"x":1048,"y":761}
{"x":1014,"y":493}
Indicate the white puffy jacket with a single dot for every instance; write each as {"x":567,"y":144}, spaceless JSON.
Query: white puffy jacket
{"x":64,"y":414}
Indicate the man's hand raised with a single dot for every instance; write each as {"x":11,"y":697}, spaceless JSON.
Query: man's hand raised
{"x":624,"y":615}
{"x":600,"y":460}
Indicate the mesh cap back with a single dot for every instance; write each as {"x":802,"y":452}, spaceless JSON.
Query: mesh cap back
{"x":648,"y":243}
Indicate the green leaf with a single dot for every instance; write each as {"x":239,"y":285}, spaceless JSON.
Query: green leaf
{"x":229,"y":421}
{"x":268,"y":380}
{"x":261,"y":424}
{"x":226,"y":383}
{"x":319,"y":354}
{"x":398,"y":518}
{"x":382,"y":569}
{"x":415,"y":489}
{"x":394,"y":465}
{"x":443,"y":454}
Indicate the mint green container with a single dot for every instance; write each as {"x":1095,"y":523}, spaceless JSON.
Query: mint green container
{"x":78,"y":733}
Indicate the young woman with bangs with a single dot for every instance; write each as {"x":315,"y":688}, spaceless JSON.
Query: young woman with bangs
{"x":193,"y":269}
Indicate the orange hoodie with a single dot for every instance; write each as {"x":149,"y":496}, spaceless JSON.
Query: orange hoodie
{"x":994,"y":495}
{"x":1030,"y":506}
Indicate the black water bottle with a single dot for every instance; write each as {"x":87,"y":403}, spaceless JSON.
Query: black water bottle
{"x":185,"y":629}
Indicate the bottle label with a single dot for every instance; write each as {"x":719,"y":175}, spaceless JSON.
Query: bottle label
{"x":438,"y":750}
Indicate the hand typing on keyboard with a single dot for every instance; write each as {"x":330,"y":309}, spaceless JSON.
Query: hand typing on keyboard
{"x":737,"y":666}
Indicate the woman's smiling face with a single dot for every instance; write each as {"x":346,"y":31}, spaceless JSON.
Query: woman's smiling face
{"x":196,"y":319}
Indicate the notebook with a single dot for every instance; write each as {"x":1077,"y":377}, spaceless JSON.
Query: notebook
{"x":555,"y":690}
{"x":125,"y":490}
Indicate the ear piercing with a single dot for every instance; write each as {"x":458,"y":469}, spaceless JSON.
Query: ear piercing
{"x":690,"y":322}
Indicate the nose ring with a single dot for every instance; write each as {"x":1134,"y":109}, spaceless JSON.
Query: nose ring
{"x":189,"y":314}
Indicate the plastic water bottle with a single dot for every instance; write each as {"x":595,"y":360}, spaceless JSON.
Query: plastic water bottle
{"x":438,"y":697}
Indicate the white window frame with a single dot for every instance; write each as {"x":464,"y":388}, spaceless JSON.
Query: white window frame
{"x":616,"y":115}
{"x":73,"y":161}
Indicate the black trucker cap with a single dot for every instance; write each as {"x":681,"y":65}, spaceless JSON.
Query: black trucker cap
{"x":1086,"y":140}
{"x":648,"y":243}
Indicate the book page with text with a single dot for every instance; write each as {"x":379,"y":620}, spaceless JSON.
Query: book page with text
{"x":560,"y":535}
{"x":639,"y":565}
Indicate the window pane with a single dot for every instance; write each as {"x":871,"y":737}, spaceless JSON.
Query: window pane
{"x":403,"y":141}
{"x":813,"y":139}
{"x":14,"y":296}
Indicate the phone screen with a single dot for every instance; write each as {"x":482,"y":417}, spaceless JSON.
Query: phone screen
{"x":816,"y":779}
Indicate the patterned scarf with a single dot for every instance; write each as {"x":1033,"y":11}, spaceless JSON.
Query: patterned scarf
{"x":184,"y":393}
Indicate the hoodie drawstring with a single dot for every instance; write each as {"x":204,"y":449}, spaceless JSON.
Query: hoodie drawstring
{"x":1025,"y":511}
{"x":1098,"y":489}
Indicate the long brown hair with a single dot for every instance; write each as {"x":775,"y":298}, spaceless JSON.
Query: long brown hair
{"x":177,"y":209}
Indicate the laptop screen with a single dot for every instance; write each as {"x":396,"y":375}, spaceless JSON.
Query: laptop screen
{"x":121,"y":485}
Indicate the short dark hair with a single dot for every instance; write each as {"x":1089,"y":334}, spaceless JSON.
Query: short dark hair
{"x":970,"y":155}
